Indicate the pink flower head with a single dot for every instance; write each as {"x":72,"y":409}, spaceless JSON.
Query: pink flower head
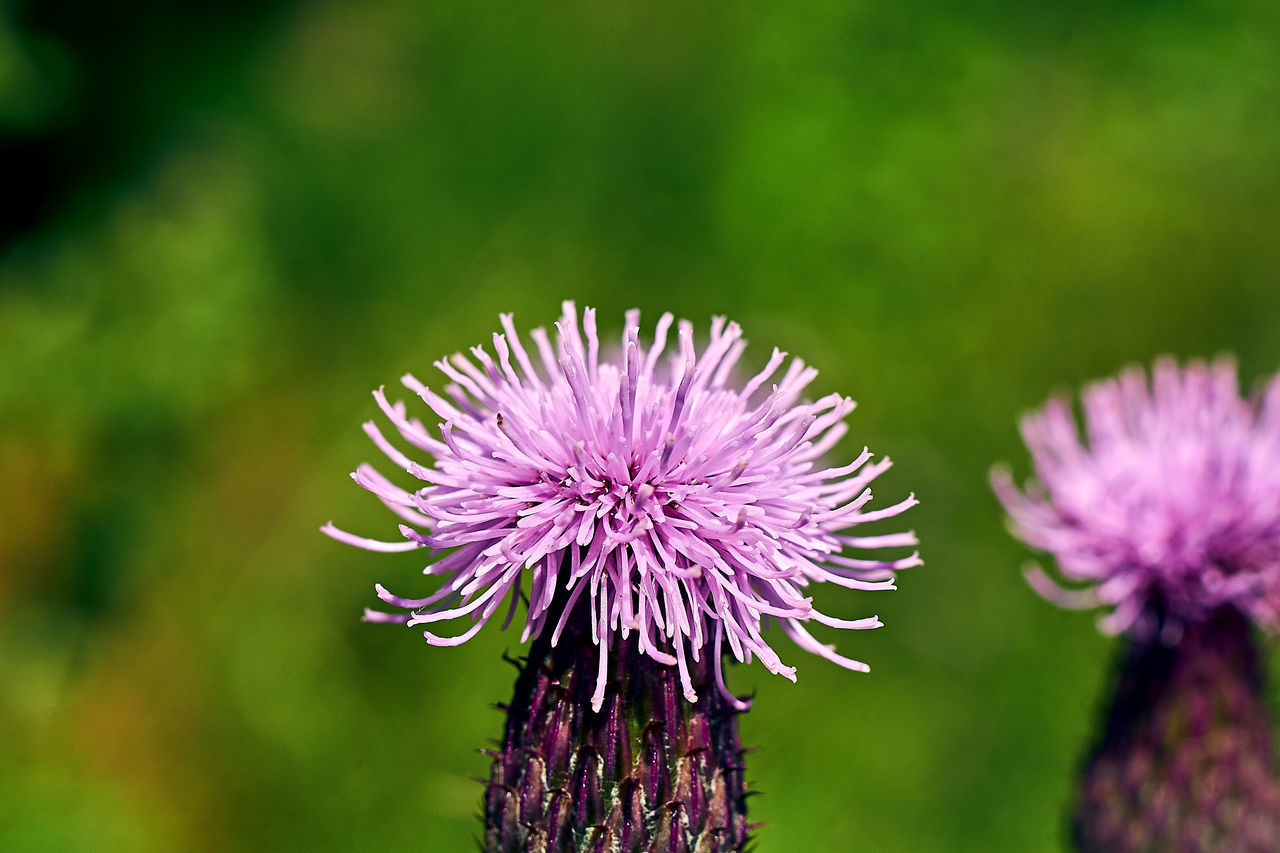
{"x":1174,"y":503}
{"x":646,"y":489}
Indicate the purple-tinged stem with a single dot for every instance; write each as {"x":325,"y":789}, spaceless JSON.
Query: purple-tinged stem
{"x":1186,"y":762}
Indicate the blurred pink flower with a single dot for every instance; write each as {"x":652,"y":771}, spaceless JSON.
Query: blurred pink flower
{"x":1170,"y":511}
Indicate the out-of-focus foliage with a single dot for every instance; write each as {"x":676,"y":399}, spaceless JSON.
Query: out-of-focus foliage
{"x":950,"y":209}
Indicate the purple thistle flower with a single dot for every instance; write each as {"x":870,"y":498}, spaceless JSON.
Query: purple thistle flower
{"x":657,"y":516}
{"x":649,"y":490}
{"x":1171,"y":515}
{"x":1175,"y":499}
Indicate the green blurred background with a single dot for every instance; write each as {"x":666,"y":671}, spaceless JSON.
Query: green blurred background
{"x":224,"y":223}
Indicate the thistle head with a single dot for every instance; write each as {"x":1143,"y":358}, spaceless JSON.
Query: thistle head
{"x":642,"y":485}
{"x":1168,"y":510}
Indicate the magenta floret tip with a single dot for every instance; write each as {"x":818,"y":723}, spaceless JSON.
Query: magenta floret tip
{"x":641,"y":484}
{"x":1167,"y":506}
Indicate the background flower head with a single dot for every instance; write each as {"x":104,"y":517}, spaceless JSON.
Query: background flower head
{"x":1172,"y":498}
{"x":644,"y":484}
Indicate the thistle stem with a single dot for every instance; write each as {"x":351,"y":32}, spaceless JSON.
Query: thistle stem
{"x":1186,"y":759}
